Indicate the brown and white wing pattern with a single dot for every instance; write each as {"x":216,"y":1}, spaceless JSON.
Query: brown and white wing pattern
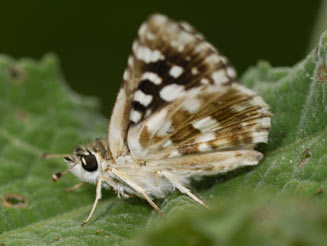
{"x":168,"y":59}
{"x":208,"y":121}
{"x":180,"y":97}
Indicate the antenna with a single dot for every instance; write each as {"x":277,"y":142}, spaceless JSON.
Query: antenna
{"x":56,"y":176}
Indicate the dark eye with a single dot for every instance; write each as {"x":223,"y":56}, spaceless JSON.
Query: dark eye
{"x":89,"y":163}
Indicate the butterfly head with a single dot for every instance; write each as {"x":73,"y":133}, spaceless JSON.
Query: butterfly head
{"x":84,"y":163}
{"x":87,"y":162}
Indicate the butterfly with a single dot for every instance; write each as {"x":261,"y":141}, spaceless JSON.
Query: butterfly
{"x":179,"y":115}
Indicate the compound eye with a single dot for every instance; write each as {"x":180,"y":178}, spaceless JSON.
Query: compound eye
{"x":89,"y":163}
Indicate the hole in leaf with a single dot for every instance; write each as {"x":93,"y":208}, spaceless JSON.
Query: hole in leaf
{"x":16,"y":73}
{"x":306,"y":156}
{"x":14,"y":201}
{"x":320,"y":190}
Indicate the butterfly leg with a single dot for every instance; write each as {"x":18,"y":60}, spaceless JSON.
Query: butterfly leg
{"x":137,"y":188}
{"x":97,"y":198}
{"x":173,"y":180}
{"x":74,"y":187}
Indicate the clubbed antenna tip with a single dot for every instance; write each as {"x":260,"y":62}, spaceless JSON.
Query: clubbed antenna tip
{"x":56,"y":176}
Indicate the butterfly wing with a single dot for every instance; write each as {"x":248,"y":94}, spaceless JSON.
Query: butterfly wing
{"x":204,"y":120}
{"x":179,"y":97}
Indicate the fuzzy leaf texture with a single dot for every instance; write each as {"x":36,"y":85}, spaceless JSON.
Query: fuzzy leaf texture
{"x":39,"y":113}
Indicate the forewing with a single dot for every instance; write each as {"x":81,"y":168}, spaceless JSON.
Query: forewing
{"x":188,"y":102}
{"x":170,"y":63}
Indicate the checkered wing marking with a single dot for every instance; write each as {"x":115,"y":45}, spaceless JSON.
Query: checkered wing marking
{"x":205,"y":120}
{"x":196,"y":108}
{"x":169,"y":61}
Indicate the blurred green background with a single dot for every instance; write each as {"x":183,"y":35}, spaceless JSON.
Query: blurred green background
{"x":93,"y":39}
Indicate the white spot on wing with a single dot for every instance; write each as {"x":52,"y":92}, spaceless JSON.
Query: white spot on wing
{"x":171,"y":92}
{"x":153,"y":77}
{"x":194,"y":71}
{"x":135,"y":116}
{"x":257,"y":100}
{"x":206,"y":137}
{"x":146,"y":54}
{"x":231,"y":72}
{"x":205,"y":124}
{"x":126,"y":75}
{"x":238,"y":108}
{"x":176,"y":71}
{"x":175,"y":153}
{"x":213,"y":58}
{"x":135,"y":46}
{"x":204,"y":81}
{"x":219,"y":77}
{"x":204,"y":147}
{"x":159,"y":19}
{"x":142,"y":98}
{"x":142,"y":29}
{"x":192,"y":105}
{"x":186,"y":38}
{"x":201,"y":47}
{"x":130,"y":61}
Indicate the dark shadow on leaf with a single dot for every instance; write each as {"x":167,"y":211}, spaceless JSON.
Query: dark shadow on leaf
{"x":208,"y":182}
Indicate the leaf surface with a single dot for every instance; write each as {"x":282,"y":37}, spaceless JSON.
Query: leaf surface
{"x":39,"y":113}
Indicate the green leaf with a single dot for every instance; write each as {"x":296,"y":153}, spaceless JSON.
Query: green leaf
{"x":246,"y":219}
{"x":39,"y":113}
